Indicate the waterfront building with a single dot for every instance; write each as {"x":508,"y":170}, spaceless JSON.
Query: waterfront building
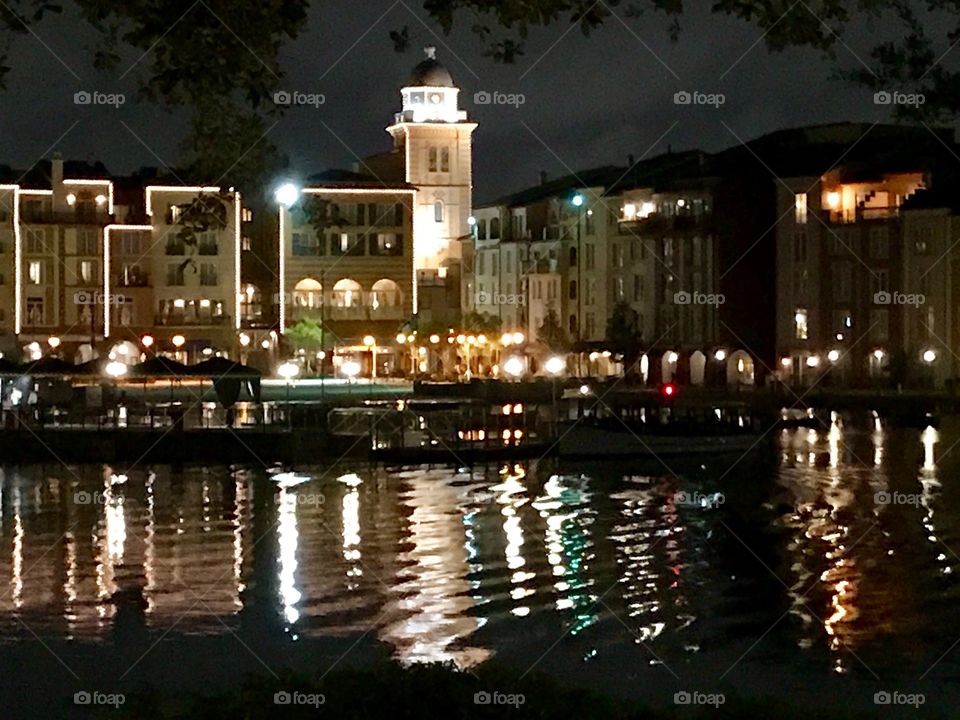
{"x":863,"y":294}
{"x":378,"y":249}
{"x":97,"y":264}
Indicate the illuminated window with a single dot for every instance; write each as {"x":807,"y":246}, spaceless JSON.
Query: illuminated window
{"x":35,"y":272}
{"x":800,"y":211}
{"x":87,"y":271}
{"x":800,"y":324}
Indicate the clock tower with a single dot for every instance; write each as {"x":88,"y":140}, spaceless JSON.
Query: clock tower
{"x":434,"y":136}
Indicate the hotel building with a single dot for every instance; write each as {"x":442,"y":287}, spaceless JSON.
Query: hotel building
{"x":378,"y":249}
{"x":98,"y":264}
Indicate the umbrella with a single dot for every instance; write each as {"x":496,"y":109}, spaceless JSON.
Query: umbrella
{"x":219,"y":367}
{"x":48,"y":366}
{"x":159,"y":367}
{"x":228,"y":376}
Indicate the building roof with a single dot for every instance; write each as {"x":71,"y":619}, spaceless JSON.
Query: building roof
{"x":942,"y":195}
{"x":430,"y":72}
{"x":594,"y":177}
{"x":336,"y":178}
{"x":861,"y":151}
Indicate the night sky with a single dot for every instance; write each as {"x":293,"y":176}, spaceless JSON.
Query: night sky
{"x":589,"y":100}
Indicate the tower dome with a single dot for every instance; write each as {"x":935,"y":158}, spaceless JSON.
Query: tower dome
{"x":430,"y":72}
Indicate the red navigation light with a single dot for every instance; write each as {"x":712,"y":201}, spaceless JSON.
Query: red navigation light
{"x":669,"y":389}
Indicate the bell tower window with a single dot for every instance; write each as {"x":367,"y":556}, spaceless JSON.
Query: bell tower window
{"x":432,"y":159}
{"x":444,"y":159}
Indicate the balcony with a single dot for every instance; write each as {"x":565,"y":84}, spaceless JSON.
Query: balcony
{"x":61,"y":217}
{"x":657,"y":224}
{"x":133,"y":280}
{"x":183,"y":321}
{"x":860,"y":214}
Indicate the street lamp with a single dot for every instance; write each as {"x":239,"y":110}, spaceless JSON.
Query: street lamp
{"x":178,"y":342}
{"x":53,"y":342}
{"x":833,"y":355}
{"x":287,"y":194}
{"x":288,"y":371}
{"x":116,"y":369}
{"x":513,"y":366}
{"x":720,"y":355}
{"x":929,"y":356}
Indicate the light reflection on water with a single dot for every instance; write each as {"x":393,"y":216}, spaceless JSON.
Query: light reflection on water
{"x":445,"y":564}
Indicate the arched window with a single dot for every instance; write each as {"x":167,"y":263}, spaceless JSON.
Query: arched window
{"x":432,"y":159}
{"x":494,"y":228}
{"x":573,"y":257}
{"x":308,"y":293}
{"x":438,"y":211}
{"x":385,"y":293}
{"x":573,"y":290}
{"x":572,"y":324}
{"x":444,"y":159}
{"x":347,"y":293}
{"x":482,"y":229}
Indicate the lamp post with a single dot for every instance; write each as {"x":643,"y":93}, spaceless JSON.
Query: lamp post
{"x":178,"y":342}
{"x":371,"y":342}
{"x":116,"y":369}
{"x":555,"y":365}
{"x":578,"y":201}
{"x":351,"y":368}
{"x":288,"y":371}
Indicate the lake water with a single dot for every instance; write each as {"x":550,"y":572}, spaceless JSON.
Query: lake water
{"x":825,"y":570}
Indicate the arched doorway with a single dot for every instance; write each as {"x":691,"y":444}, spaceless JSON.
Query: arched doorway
{"x":740,"y":368}
{"x":385,"y":294}
{"x":668,"y":365}
{"x":347,"y":293}
{"x":308,"y":294}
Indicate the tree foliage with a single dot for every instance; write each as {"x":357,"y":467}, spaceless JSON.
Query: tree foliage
{"x":219,"y":59}
{"x":552,"y":334}
{"x":306,"y":334}
{"x":623,"y":332}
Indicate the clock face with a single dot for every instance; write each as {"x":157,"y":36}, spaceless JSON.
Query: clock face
{"x":436,"y":98}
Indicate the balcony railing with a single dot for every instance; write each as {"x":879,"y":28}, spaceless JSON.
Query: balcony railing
{"x":183,"y":321}
{"x":133,"y":281}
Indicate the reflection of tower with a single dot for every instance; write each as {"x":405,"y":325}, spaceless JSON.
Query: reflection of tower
{"x":435,"y":137}
{"x":432,"y":608}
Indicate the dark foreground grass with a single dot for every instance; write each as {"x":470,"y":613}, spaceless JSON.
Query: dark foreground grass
{"x":436,"y":691}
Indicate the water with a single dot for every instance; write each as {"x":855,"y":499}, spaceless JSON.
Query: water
{"x":826,"y":563}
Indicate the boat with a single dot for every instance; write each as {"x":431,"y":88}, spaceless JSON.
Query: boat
{"x":655,"y":427}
